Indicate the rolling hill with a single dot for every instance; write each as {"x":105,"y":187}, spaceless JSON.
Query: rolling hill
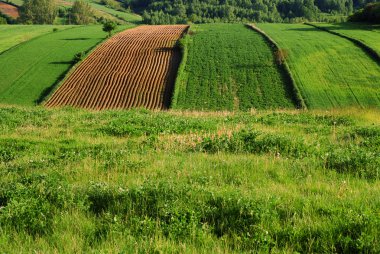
{"x":330,"y":71}
{"x":31,"y":70}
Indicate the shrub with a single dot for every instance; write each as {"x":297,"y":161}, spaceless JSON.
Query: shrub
{"x":79,"y":57}
{"x":281,"y":56}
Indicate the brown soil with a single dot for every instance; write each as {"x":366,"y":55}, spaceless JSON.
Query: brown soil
{"x":135,"y":68}
{"x":9,"y":10}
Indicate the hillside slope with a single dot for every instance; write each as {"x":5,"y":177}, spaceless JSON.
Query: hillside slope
{"x":74,"y":181}
{"x":30,"y":71}
{"x":330,"y":71}
{"x":135,"y":68}
{"x":366,"y":33}
{"x":11,"y":36}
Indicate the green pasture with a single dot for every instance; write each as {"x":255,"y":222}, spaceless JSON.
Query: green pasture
{"x":330,"y":71}
{"x":31,"y":70}
{"x":229,"y":66}
{"x":73,"y":181}
{"x":12,"y":35}
{"x":366,"y":33}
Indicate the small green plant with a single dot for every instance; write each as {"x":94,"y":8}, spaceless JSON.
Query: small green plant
{"x":109,"y":26}
{"x":79,"y":57}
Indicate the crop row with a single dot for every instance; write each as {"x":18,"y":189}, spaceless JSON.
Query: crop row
{"x":229,"y":66}
{"x":135,"y":68}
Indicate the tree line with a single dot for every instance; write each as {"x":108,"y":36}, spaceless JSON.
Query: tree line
{"x":371,"y":14}
{"x":46,"y":12}
{"x":206,"y":11}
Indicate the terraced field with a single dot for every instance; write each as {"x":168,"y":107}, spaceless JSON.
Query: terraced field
{"x":229,"y":66}
{"x":105,"y":11}
{"x":330,"y":71}
{"x":368,"y":34}
{"x":100,"y":10}
{"x":31,"y":70}
{"x":135,"y":68}
{"x":12,"y":35}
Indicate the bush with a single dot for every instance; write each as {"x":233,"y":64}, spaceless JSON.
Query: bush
{"x":281,"y":56}
{"x":79,"y":57}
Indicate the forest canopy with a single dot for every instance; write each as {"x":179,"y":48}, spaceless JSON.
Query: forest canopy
{"x":207,"y":11}
{"x":371,"y":14}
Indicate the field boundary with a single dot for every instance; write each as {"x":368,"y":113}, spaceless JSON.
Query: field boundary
{"x":180,"y":79}
{"x":300,"y":102}
{"x":45,"y":95}
{"x":367,"y":49}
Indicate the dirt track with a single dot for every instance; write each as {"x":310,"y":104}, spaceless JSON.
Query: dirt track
{"x":135,"y":68}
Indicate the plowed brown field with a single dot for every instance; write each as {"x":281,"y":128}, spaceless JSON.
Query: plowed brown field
{"x":9,"y":10}
{"x":135,"y":68}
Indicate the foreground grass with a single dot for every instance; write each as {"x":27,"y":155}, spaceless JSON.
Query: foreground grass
{"x":229,"y":66}
{"x":330,"y":71}
{"x":31,"y":70}
{"x":140,"y":181}
{"x":11,"y":36}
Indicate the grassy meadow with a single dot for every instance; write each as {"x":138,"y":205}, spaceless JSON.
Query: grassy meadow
{"x":31,"y":70}
{"x":74,"y":181}
{"x":11,"y":36}
{"x":330,"y":71}
{"x":366,"y":33}
{"x":229,"y":66}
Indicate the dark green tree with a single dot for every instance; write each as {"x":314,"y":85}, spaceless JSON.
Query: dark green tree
{"x":81,"y":13}
{"x":38,"y":11}
{"x":108,"y":27}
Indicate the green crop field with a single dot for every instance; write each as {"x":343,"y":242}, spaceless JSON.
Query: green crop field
{"x":229,"y":66}
{"x":30,"y":71}
{"x":368,"y":34}
{"x":11,"y":36}
{"x":330,"y":71}
{"x":73,"y":181}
